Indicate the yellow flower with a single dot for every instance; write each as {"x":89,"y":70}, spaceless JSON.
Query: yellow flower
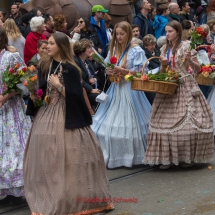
{"x":127,"y":77}
{"x":199,"y":35}
{"x":21,"y":73}
{"x":209,"y":167}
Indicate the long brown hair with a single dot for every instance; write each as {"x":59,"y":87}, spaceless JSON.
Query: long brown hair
{"x":117,"y":49}
{"x":65,"y":52}
{"x":3,"y":39}
{"x":211,"y":6}
{"x":177,"y":26}
{"x":11,"y":29}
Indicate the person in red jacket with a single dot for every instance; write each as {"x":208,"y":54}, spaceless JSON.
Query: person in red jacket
{"x":37,"y":28}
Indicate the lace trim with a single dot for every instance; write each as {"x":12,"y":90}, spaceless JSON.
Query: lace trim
{"x":188,"y":119}
{"x":176,"y":162}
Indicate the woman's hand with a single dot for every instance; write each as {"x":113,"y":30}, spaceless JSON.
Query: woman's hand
{"x":54,"y":80}
{"x":92,"y":81}
{"x":3,"y":100}
{"x":95,"y":91}
{"x":118,"y":69}
{"x":164,"y":61}
{"x":213,"y":48}
{"x":187,"y":55}
{"x":109,"y":71}
{"x":77,"y":29}
{"x":33,"y":97}
{"x":99,"y":50}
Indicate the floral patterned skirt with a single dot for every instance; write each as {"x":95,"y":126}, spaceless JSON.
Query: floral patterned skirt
{"x":14,"y":130}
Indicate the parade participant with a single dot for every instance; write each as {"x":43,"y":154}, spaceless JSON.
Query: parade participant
{"x":14,"y":130}
{"x":37,"y":28}
{"x":181,"y":125}
{"x":61,"y":140}
{"x":121,"y":124}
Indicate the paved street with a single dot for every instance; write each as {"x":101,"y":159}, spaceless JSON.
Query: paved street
{"x":176,"y":191}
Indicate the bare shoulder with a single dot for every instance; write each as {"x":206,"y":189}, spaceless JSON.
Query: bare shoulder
{"x":12,"y":49}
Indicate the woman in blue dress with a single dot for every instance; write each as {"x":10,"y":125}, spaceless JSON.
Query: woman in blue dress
{"x":121,"y":124}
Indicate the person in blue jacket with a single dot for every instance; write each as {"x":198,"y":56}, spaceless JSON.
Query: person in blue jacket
{"x":160,"y":20}
{"x":97,"y":23}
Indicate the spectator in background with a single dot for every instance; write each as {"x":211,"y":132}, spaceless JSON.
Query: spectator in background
{"x":15,"y":37}
{"x":135,"y":31}
{"x":3,"y":15}
{"x":149,"y":46}
{"x":185,"y":11}
{"x":60,"y":24}
{"x":161,"y":20}
{"x":97,"y":23}
{"x":174,"y":12}
{"x":142,"y":19}
{"x":49,"y":21}
{"x":37,"y":28}
{"x":109,"y":30}
{"x":17,"y":17}
{"x":84,"y":31}
{"x":186,"y":30}
{"x":19,"y":3}
{"x":153,"y":13}
{"x":161,"y":41}
{"x":211,"y":24}
{"x":26,"y":18}
{"x":82,"y":50}
{"x":211,"y":10}
{"x":41,"y":51}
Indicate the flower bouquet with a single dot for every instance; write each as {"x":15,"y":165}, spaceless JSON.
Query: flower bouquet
{"x":197,"y":37}
{"x":11,"y":78}
{"x":165,"y":83}
{"x":30,"y":81}
{"x":206,"y":75}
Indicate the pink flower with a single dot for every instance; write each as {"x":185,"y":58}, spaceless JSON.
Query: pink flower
{"x":11,"y":70}
{"x":39,"y":93}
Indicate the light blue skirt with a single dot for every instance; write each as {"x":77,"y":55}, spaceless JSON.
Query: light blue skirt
{"x":121,"y":125}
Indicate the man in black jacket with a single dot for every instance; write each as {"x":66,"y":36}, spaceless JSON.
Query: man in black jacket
{"x":15,"y":15}
{"x":174,"y":12}
{"x":185,"y":11}
{"x":142,"y":19}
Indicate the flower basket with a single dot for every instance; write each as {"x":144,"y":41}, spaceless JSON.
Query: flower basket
{"x":152,"y":85}
{"x":200,"y":79}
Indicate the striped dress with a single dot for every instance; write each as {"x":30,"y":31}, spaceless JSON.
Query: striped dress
{"x":181,"y":125}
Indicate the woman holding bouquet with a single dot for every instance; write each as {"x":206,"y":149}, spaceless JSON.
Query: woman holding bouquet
{"x":121,"y":124}
{"x":181,"y":125}
{"x":61,"y":140}
{"x":14,"y":130}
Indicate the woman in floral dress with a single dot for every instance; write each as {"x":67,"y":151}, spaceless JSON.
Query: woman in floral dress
{"x":14,"y":130}
{"x":181,"y":125}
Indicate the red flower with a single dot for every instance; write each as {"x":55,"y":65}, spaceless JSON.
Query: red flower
{"x":113,"y":60}
{"x":24,"y":69}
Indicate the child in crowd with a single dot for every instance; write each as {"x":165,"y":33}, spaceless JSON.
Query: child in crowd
{"x":160,"y":20}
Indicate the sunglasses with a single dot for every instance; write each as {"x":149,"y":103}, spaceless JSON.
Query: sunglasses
{"x":80,"y":21}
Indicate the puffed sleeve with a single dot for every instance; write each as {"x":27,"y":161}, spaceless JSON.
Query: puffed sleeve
{"x":136,"y":59}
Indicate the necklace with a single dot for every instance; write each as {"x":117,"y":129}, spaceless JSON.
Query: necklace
{"x":49,"y":86}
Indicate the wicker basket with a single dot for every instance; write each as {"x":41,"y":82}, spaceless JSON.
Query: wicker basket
{"x":200,"y":79}
{"x":153,"y":86}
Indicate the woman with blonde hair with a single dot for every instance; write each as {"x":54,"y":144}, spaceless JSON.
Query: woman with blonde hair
{"x":121,"y":124}
{"x":14,"y":35}
{"x":61,"y":139}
